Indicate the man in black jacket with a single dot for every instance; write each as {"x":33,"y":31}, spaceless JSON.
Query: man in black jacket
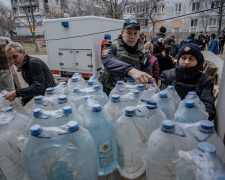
{"x":187,"y":76}
{"x":34,"y":71}
{"x":161,"y":34}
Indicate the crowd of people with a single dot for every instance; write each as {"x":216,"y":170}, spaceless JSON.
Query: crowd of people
{"x":126,"y":57}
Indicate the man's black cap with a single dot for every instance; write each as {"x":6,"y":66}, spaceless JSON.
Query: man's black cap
{"x":131,"y":23}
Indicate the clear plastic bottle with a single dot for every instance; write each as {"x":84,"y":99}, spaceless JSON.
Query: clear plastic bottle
{"x":96,"y":81}
{"x":190,"y":113}
{"x":99,"y":95}
{"x":63,"y":101}
{"x":66,"y":152}
{"x":74,"y":82}
{"x":131,"y":138}
{"x":165,"y":103}
{"x":102,"y":130}
{"x":129,"y":99}
{"x":141,"y":89}
{"x":171,"y":90}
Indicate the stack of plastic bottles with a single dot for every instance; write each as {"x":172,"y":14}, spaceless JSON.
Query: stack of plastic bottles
{"x":206,"y":163}
{"x":12,"y":137}
{"x":131,"y":136}
{"x":74,"y":82}
{"x":64,"y":152}
{"x":94,"y":81}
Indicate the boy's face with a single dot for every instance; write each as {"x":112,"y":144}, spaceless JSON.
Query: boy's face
{"x":187,"y":61}
{"x":130,"y":36}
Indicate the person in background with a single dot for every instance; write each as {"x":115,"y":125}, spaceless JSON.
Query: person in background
{"x":213,"y":46}
{"x":153,"y":60}
{"x":161,"y":51}
{"x":189,"y":39}
{"x":201,"y":42}
{"x":221,"y":42}
{"x":174,"y":48}
{"x":161,"y":34}
{"x":142,"y":37}
{"x":188,"y":76}
{"x":207,"y":39}
{"x":34,"y":71}
{"x":125,"y":57}
{"x":107,"y":37}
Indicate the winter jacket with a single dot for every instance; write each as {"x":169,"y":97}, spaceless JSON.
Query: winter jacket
{"x":213,"y":46}
{"x":174,"y":49}
{"x":188,"y":39}
{"x":155,"y":67}
{"x":155,"y":38}
{"x":103,"y":44}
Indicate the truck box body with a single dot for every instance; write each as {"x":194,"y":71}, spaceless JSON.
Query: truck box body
{"x":77,"y":48}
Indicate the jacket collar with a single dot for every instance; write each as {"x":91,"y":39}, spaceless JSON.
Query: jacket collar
{"x":24,"y":63}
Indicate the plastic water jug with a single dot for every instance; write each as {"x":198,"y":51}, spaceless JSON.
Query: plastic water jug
{"x":171,"y":90}
{"x":122,"y":88}
{"x":95,"y":81}
{"x":141,"y":88}
{"x":129,"y":99}
{"x":54,"y":118}
{"x":165,"y":103}
{"x":74,"y":82}
{"x":162,"y":151}
{"x":131,"y":81}
{"x":205,"y":162}
{"x":190,"y":112}
{"x":131,"y":137}
{"x":60,"y":88}
{"x":102,"y":130}
{"x":65,"y":152}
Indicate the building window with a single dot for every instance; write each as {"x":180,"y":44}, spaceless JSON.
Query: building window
{"x":177,"y":7}
{"x":195,"y":6}
{"x":215,"y":4}
{"x":162,"y":9}
{"x":213,"y":22}
{"x":194,"y":22}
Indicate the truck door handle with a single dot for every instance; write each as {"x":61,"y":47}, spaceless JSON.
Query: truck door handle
{"x":60,"y":53}
{"x":61,"y":64}
{"x":89,"y":54}
{"x":90,"y":66}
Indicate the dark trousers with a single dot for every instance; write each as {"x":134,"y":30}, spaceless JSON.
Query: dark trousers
{"x":221,"y":47}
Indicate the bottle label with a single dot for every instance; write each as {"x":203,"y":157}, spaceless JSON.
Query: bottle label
{"x":120,"y":156}
{"x":105,"y":153}
{"x":2,"y":176}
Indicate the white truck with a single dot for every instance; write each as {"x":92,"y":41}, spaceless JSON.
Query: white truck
{"x":74,"y":44}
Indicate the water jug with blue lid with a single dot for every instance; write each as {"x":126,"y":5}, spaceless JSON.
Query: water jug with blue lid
{"x":122,"y":88}
{"x":64,"y":152}
{"x":176,"y":98}
{"x":204,"y":160}
{"x":54,"y":118}
{"x":131,"y":81}
{"x":101,"y":127}
{"x":74,"y":82}
{"x":165,"y":103}
{"x":162,"y":152}
{"x":95,"y":81}
{"x":130,"y":99}
{"x":131,"y":137}
{"x":190,"y":112}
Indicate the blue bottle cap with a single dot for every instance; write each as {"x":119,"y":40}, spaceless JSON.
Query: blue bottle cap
{"x":76,"y":90}
{"x":7,"y":109}
{"x":37,"y":112}
{"x":141,"y":87}
{"x":74,"y":79}
{"x":206,"y":147}
{"x":62,"y":99}
{"x":170,"y":87}
{"x":87,"y":97}
{"x":49,"y":91}
{"x":162,"y":94}
{"x":72,"y":126}
{"x":189,"y":103}
{"x":207,"y":125}
{"x":193,"y":93}
{"x":67,"y":110}
{"x":130,"y":111}
{"x":35,"y":130}
{"x":131,"y":80}
{"x":115,"y":98}
{"x":96,"y":108}
{"x":90,"y":83}
{"x":120,"y":83}
{"x":151,"y":105}
{"x":135,"y":92}
{"x":167,"y":126}
{"x":38,"y":99}
{"x":96,"y":87}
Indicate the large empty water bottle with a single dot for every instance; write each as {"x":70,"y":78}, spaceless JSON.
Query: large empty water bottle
{"x":80,"y":78}
{"x":62,"y":102}
{"x":194,"y":97}
{"x":102,"y":130}
{"x":162,"y":152}
{"x":66,"y":152}
{"x":12,"y":138}
{"x":171,"y":90}
{"x":74,"y":82}
{"x":60,"y":88}
{"x":122,"y":88}
{"x":205,"y":162}
{"x":95,"y":81}
{"x":190,"y":112}
{"x":54,"y":118}
{"x":113,"y":107}
{"x":154,"y":115}
{"x":131,"y":137}
{"x":129,"y":99}
{"x":165,"y":103}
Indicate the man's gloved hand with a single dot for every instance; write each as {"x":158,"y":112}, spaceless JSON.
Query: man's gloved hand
{"x":139,"y":76}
